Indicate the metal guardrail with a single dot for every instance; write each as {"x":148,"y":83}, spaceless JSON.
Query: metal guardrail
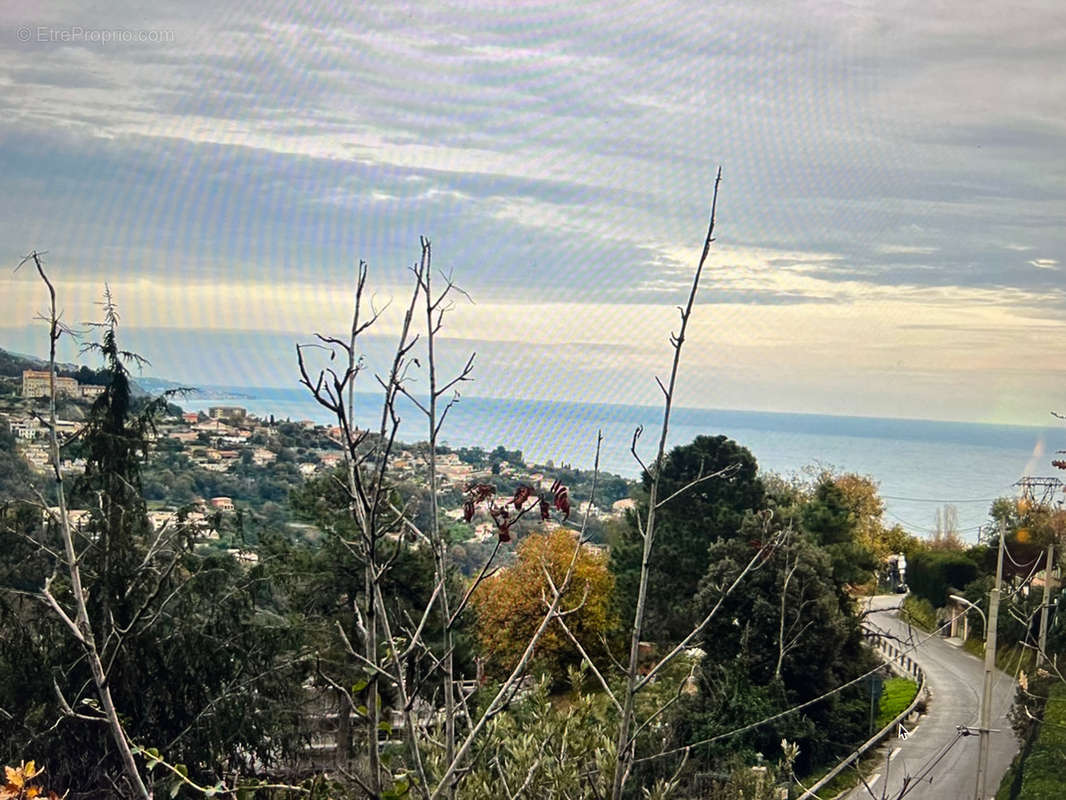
{"x":894,"y":656}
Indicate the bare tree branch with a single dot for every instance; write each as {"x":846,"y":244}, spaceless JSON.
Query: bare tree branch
{"x":81,"y":625}
{"x":624,"y":755}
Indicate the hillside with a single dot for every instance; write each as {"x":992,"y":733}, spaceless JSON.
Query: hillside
{"x":12,"y":365}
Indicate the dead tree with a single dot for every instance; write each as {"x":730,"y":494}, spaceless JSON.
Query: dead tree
{"x":78,"y":621}
{"x":366,"y":461}
{"x":789,"y":637}
{"x":435,"y":309}
{"x":628,"y":728}
{"x":387,"y":646}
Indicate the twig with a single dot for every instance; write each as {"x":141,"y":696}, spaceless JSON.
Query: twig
{"x":82,"y":626}
{"x":624,"y":754}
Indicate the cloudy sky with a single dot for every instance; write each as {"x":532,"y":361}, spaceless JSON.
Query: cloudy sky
{"x":891,"y":237}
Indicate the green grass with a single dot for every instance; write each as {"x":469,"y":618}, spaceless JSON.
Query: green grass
{"x":1014,"y":658}
{"x":1010,"y":658}
{"x":848,"y":779}
{"x":1006,"y":786}
{"x":898,"y":694}
{"x":919,"y":613}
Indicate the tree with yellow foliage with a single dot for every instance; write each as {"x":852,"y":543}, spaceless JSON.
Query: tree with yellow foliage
{"x":511,"y":604}
{"x":863,"y":501}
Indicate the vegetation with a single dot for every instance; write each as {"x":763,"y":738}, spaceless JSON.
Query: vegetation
{"x":1037,"y":772}
{"x":934,"y":574}
{"x":23,"y":783}
{"x":17,"y":480}
{"x":173,"y":478}
{"x":508,"y":607}
{"x":576,"y":724}
{"x":859,"y":495}
{"x":919,"y":612}
{"x":712,"y":509}
{"x":315,"y":586}
{"x":897,"y":694}
{"x":401,"y":657}
{"x":190,"y":647}
{"x":790,"y":637}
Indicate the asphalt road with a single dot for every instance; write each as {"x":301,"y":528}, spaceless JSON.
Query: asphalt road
{"x":940,"y":764}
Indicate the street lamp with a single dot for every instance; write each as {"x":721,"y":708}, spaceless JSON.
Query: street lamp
{"x":960,"y":599}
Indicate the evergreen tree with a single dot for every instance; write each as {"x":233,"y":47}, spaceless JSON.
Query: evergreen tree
{"x":831,"y":522}
{"x":782,"y":641}
{"x":202,"y":661}
{"x":686,"y":528}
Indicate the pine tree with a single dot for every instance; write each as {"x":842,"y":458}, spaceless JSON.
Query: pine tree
{"x":200,"y":658}
{"x":115,"y":444}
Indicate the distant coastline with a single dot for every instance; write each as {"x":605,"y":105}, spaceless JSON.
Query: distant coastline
{"x":919,"y":464}
{"x":157,"y":386}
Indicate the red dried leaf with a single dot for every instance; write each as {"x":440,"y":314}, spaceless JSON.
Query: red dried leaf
{"x":468,"y":510}
{"x":480,"y":492}
{"x":562,"y":498}
{"x":545,"y":509}
{"x":503,"y":523}
{"x":521,"y":494}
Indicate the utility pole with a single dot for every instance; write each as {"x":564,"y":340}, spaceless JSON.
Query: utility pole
{"x":1046,"y":604}
{"x":990,"y":671}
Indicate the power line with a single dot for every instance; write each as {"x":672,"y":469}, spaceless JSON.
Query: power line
{"x":938,"y":500}
{"x":787,"y":711}
{"x":1015,"y":562}
{"x":913,"y":780}
{"x":924,"y":529}
{"x":1005,"y":488}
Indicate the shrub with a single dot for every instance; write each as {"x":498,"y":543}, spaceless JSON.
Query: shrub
{"x":1042,"y":778}
{"x":933,"y":574}
{"x":919,"y":612}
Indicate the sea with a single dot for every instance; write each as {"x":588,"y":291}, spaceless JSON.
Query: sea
{"x":920,"y":466}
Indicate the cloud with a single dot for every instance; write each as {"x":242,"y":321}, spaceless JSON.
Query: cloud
{"x":877,"y":162}
{"x":906,"y":249}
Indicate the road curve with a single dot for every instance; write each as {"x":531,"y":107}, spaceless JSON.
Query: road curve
{"x":935,"y":762}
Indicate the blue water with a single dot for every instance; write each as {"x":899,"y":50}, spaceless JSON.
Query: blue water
{"x":920,"y":465}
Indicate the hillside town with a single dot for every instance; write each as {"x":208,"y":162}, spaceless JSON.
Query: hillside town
{"x":224,"y":438}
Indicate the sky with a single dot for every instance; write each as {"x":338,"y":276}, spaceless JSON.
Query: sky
{"x":890,"y":236}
